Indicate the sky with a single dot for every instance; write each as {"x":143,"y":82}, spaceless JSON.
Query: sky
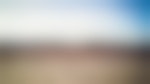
{"x":73,"y":20}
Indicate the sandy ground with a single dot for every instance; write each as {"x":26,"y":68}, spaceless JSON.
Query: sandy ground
{"x":71,"y":69}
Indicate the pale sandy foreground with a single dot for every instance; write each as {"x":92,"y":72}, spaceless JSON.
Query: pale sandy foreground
{"x":72,"y":69}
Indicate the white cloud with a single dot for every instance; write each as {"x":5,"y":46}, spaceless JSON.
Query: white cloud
{"x":69,"y":25}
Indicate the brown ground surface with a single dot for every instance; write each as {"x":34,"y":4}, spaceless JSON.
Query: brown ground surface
{"x":71,"y":68}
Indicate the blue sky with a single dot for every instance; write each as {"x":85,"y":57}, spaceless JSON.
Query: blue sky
{"x":107,"y":19}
